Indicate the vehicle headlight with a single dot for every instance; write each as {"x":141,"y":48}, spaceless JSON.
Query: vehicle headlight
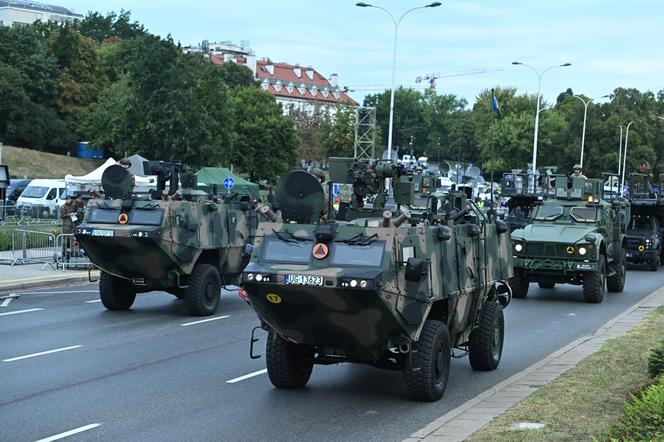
{"x":250,"y":277}
{"x":353,"y":283}
{"x":582,"y":251}
{"x":363,"y":284}
{"x":518,"y":247}
{"x":648,"y":242}
{"x":259,"y":277}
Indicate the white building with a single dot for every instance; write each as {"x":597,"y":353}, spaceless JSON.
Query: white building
{"x":18,"y":13}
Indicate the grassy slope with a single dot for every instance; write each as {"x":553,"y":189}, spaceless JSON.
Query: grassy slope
{"x":582,"y":403}
{"x":35,"y":164}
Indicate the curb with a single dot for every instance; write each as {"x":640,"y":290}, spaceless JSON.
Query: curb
{"x":45,"y":282}
{"x":459,"y":423}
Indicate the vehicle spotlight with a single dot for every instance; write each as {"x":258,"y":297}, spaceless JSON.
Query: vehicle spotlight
{"x":259,"y":277}
{"x":250,"y":276}
{"x":353,"y":283}
{"x":518,"y":247}
{"x":582,"y":251}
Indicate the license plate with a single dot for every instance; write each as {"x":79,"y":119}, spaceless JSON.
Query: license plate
{"x":303,"y":280}
{"x":104,"y":233}
{"x":584,"y":267}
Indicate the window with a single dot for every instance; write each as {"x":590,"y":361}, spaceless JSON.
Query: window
{"x":548,"y":213}
{"x":51,"y":195}
{"x":584,"y":214}
{"x":287,"y":252}
{"x":370,"y":255}
{"x":103,"y":216}
{"x":146,"y":217}
{"x":34,"y":192}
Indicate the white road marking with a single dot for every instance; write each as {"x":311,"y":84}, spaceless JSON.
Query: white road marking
{"x":247,"y":376}
{"x":92,"y":301}
{"x":21,"y":311}
{"x":204,"y":320}
{"x":6,"y":302}
{"x":59,"y":293}
{"x":41,"y":353}
{"x":69,"y":433}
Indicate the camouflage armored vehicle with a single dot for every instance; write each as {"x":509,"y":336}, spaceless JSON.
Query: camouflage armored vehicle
{"x":576,"y":237}
{"x":400,"y":292}
{"x":644,"y":233}
{"x":182,"y":241}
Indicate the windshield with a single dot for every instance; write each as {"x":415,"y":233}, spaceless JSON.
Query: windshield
{"x":584,"y":214}
{"x":641,"y":225}
{"x":289,"y":252}
{"x":148,"y":217}
{"x":370,"y":255}
{"x":103,"y":216}
{"x":548,"y":213}
{"x":34,"y":192}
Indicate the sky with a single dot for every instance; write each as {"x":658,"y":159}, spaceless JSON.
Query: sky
{"x":609,"y":43}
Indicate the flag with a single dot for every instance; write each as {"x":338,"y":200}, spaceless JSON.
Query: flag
{"x":494,"y":105}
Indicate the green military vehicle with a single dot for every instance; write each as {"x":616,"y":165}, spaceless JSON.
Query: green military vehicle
{"x":403,"y":292}
{"x":645,"y":244}
{"x":575,"y":237}
{"x":180,"y":240}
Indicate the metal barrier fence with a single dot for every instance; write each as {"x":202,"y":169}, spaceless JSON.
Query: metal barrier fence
{"x":28,"y":247}
{"x":29,"y":215}
{"x":70,"y":254}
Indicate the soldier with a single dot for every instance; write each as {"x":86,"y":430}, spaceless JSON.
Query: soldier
{"x":70,"y":219}
{"x":578,"y":172}
{"x":319,"y":174}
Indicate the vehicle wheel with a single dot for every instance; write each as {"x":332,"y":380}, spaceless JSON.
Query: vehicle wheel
{"x":594,"y":284}
{"x":616,"y":283}
{"x":202,"y":294}
{"x":546,"y":285}
{"x":115,"y":293}
{"x":654,"y":262}
{"x":288,"y":365}
{"x":486,"y":341}
{"x":661,"y":259}
{"x":519,"y":284}
{"x":428,"y":369}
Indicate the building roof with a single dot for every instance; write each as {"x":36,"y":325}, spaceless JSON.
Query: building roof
{"x":282,"y":80}
{"x":36,"y":6}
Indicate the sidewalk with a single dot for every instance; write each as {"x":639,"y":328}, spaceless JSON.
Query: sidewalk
{"x":19,"y":277}
{"x":460,"y":423}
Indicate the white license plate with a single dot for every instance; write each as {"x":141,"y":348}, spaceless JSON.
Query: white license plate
{"x":303,"y":280}
{"x":105,"y":233}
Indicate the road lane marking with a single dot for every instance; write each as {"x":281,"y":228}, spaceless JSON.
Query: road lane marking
{"x":204,"y":320}
{"x":92,"y":301}
{"x":59,"y":293}
{"x":69,"y":433}
{"x":247,"y":376}
{"x":6,"y":302}
{"x":21,"y":311}
{"x":41,"y":353}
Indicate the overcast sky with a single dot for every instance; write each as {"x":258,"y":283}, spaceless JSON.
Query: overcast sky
{"x":610,"y":43}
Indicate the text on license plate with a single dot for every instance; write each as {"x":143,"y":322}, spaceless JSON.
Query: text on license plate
{"x":303,"y":279}
{"x":98,"y":232}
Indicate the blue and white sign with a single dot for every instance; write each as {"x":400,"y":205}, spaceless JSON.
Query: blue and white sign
{"x":335,"y":189}
{"x":229,"y":183}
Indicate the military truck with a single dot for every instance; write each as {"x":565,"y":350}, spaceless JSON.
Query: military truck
{"x":179,"y":240}
{"x":397,"y":291}
{"x":576,"y":237}
{"x":644,"y":234}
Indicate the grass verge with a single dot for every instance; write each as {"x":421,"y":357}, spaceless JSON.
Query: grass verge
{"x":582,"y":403}
{"x":32,"y":163}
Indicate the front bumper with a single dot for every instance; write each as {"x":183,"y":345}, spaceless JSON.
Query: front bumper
{"x":533,"y":265}
{"x":636,"y":256}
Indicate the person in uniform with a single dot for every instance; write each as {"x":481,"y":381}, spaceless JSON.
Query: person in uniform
{"x":70,"y":216}
{"x":577,"y":172}
{"x":319,"y":174}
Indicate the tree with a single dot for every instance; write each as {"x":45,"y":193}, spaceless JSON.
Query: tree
{"x":235,"y":75}
{"x":336,"y":135}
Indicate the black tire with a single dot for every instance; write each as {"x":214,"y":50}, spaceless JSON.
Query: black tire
{"x":616,"y":282}
{"x":288,"y":365}
{"x":546,"y":285}
{"x":204,"y":290}
{"x":519,"y":284}
{"x":594,"y":283}
{"x":654,"y":262}
{"x":428,"y":369}
{"x":115,"y":293}
{"x":485,"y":345}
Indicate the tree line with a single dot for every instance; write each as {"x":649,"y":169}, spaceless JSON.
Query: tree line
{"x":106,"y":80}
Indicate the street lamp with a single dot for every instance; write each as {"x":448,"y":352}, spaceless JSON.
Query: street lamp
{"x":539,"y":86}
{"x":622,"y":183}
{"x":583,"y":133}
{"x":394,"y":60}
{"x":620,"y":151}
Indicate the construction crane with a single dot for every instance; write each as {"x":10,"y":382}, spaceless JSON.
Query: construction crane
{"x":431,"y":78}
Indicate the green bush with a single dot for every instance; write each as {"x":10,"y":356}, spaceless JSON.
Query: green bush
{"x":656,"y":361}
{"x":644,"y":416}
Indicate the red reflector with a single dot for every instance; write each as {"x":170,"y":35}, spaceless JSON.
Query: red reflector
{"x":243,"y":294}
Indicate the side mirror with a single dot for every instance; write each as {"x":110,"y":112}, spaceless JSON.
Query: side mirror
{"x":248,"y":249}
{"x":414,"y":269}
{"x":501,"y":227}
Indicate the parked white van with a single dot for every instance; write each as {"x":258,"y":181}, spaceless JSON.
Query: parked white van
{"x":42,"y":197}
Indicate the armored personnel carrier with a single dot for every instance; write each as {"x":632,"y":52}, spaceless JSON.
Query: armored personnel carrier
{"x":645,"y":244}
{"x":576,"y":237}
{"x":183,"y":241}
{"x":396,"y":291}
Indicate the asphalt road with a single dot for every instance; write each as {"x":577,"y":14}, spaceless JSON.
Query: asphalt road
{"x":154,"y":373}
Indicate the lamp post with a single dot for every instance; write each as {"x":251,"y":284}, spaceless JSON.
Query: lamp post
{"x":622,"y":183}
{"x":394,"y":61}
{"x":537,"y":112}
{"x":620,"y":150}
{"x":583,"y":132}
